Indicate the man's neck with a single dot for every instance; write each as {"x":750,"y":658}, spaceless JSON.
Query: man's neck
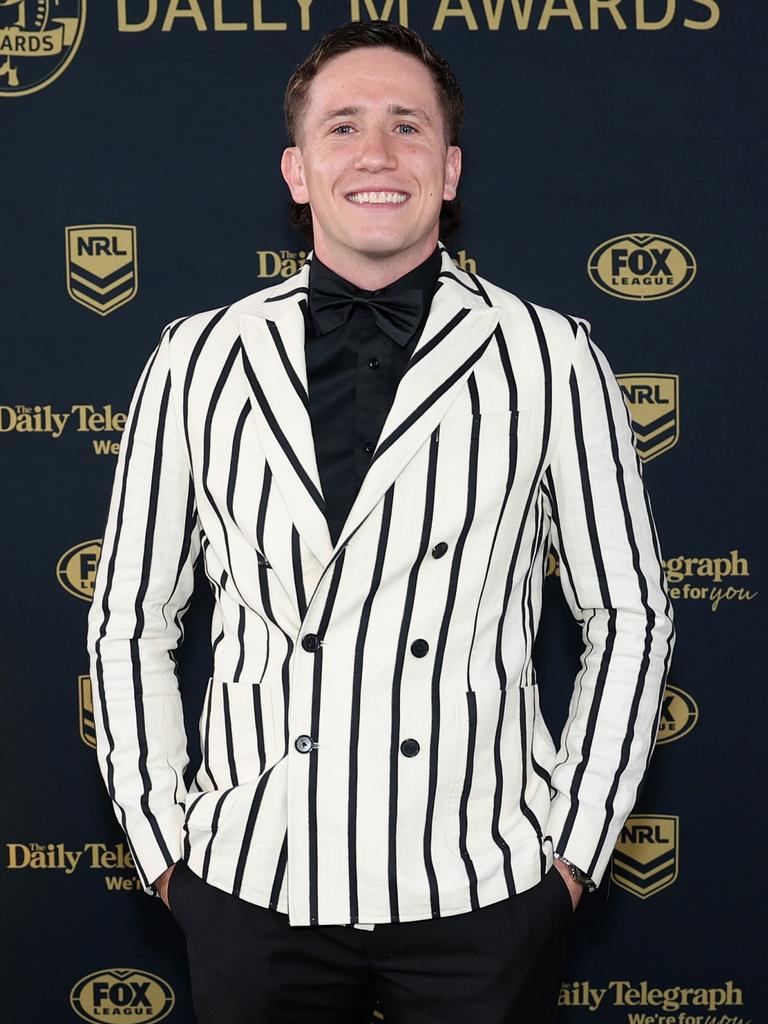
{"x":376,"y":271}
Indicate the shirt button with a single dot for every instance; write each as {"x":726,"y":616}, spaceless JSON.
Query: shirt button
{"x":373,"y":363}
{"x":369,"y":446}
{"x":419,"y":648}
{"x":410,"y":747}
{"x":303,"y":744}
{"x":439,"y":549}
{"x":310,"y":641}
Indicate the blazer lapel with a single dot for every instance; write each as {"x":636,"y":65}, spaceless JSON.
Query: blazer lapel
{"x":273,"y":333}
{"x":458,"y":326}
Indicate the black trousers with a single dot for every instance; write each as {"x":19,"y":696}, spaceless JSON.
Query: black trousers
{"x":500,"y":964}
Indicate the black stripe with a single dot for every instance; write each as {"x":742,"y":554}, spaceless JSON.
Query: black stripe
{"x":442,"y":639}
{"x":314,"y":765}
{"x":356,"y":701}
{"x":394,"y":750}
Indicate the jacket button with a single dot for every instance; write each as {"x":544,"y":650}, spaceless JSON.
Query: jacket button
{"x":310,"y":642}
{"x":419,"y":648}
{"x":369,"y":446}
{"x":303,"y":744}
{"x":439,"y":549}
{"x":410,"y":747}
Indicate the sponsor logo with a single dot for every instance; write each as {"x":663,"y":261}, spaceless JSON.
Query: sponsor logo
{"x":76,"y":569}
{"x":85,"y":711}
{"x":84,"y":419}
{"x":38,"y":41}
{"x":645,"y":996}
{"x":682,"y":568}
{"x":654,"y":407}
{"x":645,"y":859}
{"x":102,"y":272}
{"x":679,"y":714}
{"x":285,"y":263}
{"x":123,"y":992}
{"x":641,"y":267}
{"x":90,"y":857}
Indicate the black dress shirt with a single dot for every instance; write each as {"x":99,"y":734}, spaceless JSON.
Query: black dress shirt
{"x":352,"y":375}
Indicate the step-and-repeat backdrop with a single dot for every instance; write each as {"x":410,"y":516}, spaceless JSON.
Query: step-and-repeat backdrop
{"x":612,"y":150}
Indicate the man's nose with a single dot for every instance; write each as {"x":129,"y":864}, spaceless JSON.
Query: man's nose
{"x":376,"y":150}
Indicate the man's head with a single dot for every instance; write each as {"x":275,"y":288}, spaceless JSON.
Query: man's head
{"x":373,"y":108}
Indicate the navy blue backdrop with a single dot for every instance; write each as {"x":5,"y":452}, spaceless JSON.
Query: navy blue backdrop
{"x":613,"y":158}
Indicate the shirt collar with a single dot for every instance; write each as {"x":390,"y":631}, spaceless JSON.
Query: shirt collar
{"x":422,"y":278}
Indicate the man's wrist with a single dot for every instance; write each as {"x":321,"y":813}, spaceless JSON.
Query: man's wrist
{"x":577,"y":874}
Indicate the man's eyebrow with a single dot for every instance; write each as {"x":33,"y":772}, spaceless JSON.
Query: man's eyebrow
{"x":393,"y":108}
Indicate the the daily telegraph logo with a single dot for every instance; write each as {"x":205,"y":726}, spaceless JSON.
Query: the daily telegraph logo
{"x":646,"y":857}
{"x":641,"y":267}
{"x":124,"y":993}
{"x":653,"y":400}
{"x":38,"y":40}
{"x":101,"y":263}
{"x":679,"y":714}
{"x":284,"y":263}
{"x":76,"y":569}
{"x":647,"y":999}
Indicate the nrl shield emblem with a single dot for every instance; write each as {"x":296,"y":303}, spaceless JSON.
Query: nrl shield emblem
{"x":85,"y":701}
{"x":102,"y":272}
{"x":654,"y":407}
{"x":645,"y":859}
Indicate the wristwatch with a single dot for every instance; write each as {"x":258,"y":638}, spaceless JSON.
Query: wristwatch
{"x":577,"y":874}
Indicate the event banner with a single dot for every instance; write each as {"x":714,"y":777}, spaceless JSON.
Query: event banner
{"x":613,"y":153}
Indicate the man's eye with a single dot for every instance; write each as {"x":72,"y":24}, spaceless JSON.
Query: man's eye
{"x":412,"y":128}
{"x":340,"y":126}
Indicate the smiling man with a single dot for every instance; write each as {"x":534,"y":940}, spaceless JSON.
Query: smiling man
{"x":374,"y":459}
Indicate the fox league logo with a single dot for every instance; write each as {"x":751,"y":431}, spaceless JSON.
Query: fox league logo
{"x":641,"y":267}
{"x":38,"y":40}
{"x":102,"y":272}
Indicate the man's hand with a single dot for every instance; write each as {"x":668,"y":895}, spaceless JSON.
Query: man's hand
{"x":161,"y":884}
{"x":575,"y":888}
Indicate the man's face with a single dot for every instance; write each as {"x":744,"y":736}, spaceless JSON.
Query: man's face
{"x":372,"y":124}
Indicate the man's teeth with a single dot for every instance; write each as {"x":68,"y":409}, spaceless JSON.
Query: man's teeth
{"x":378,"y":197}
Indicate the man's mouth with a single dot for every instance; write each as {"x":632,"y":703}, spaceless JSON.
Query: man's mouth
{"x":378,"y":198}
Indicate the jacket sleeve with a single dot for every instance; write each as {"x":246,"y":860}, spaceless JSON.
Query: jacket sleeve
{"x":613,"y":581}
{"x":143,"y":586}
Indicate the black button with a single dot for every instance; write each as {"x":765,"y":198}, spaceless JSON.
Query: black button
{"x":303,"y":744}
{"x":369,"y":446}
{"x":439,"y":549}
{"x":419,"y":648}
{"x":373,"y":362}
{"x":410,"y":747}
{"x":310,"y":641}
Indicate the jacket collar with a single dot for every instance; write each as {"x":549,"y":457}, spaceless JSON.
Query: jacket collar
{"x":458,"y":327}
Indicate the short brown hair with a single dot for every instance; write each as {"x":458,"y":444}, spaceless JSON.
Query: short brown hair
{"x":374,"y":33}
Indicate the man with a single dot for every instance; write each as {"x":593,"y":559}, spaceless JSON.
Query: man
{"x":373,"y":458}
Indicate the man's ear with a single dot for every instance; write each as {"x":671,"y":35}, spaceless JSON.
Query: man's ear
{"x":452,"y":172}
{"x":292,"y":168}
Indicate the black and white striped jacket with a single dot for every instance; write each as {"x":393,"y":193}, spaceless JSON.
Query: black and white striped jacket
{"x":372,"y":743}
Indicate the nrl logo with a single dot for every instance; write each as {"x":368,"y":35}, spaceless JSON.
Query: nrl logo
{"x":654,"y":407}
{"x":38,"y":40}
{"x":645,"y":859}
{"x":102,"y":272}
{"x":85,"y":701}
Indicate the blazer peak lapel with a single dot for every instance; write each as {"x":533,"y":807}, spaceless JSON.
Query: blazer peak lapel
{"x":275,"y":366}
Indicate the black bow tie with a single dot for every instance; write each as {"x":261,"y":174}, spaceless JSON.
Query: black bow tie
{"x":332,"y":299}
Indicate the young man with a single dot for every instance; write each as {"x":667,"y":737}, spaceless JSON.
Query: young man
{"x":373,"y":458}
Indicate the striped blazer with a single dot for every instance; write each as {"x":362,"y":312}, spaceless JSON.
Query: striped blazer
{"x":373,"y":748}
